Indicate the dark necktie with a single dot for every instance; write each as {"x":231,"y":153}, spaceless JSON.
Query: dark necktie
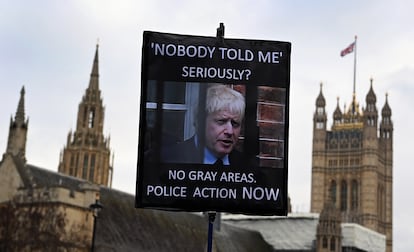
{"x":218,"y":163}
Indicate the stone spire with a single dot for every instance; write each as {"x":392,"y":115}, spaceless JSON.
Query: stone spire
{"x":319,"y":116}
{"x":370,"y":112}
{"x":386,"y":126}
{"x":371,"y":98}
{"x":337,"y":115}
{"x":320,"y":100}
{"x":16,"y":144}
{"x":87,"y":154}
{"x":386,"y":110}
{"x":19,"y":117}
{"x":94,"y":81}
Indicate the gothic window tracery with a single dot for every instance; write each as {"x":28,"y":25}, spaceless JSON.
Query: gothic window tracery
{"x":333,"y":191}
{"x":344,"y":195}
{"x":354,"y":195}
{"x":324,"y":242}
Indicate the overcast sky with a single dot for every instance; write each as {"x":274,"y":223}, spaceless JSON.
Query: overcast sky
{"x":48,"y":46}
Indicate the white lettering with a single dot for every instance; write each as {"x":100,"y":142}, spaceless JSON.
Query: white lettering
{"x":212,"y":73}
{"x":167,"y":191}
{"x":174,"y":174}
{"x":190,"y":51}
{"x":236,"y":54}
{"x":269,"y":57}
{"x":202,"y":175}
{"x":264,"y":58}
{"x":259,"y":193}
{"x":214,"y":193}
{"x":237,"y":177}
{"x":275,"y":57}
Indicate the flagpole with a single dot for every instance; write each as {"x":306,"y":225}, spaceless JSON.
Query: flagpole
{"x":355,"y":53}
{"x":354,"y":92}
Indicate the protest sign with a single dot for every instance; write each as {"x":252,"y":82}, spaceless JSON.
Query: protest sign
{"x":213,"y":124}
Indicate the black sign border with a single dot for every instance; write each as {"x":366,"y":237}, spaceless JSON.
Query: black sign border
{"x":145,"y":76}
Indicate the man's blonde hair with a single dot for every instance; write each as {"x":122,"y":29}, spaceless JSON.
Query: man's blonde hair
{"x":221,"y":97}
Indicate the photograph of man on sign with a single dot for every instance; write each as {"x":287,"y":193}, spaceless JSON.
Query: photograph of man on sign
{"x":215,"y":141}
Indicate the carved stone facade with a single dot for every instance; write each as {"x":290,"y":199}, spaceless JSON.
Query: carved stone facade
{"x":40,"y":210}
{"x":87,"y":154}
{"x":352,"y":163}
{"x":328,"y":233}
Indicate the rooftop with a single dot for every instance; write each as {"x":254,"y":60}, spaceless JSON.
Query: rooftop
{"x":122,"y":227}
{"x":297,"y":232}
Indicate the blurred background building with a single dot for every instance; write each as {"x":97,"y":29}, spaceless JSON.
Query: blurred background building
{"x":351,"y":201}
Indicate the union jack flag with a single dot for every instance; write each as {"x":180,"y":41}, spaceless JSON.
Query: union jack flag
{"x":347,"y":50}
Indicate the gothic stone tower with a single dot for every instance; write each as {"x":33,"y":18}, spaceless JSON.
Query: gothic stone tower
{"x":87,"y":153}
{"x":352,"y":163}
{"x":16,"y":144}
{"x":328,"y":232}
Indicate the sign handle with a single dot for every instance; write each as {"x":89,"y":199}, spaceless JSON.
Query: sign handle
{"x":212,"y":215}
{"x":211,"y":218}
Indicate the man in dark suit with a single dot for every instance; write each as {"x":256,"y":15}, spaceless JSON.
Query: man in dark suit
{"x":224,"y":115}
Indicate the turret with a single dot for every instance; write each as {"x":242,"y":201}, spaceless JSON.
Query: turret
{"x":386,"y":126}
{"x":386,"y":142}
{"x":318,"y":156}
{"x":319,"y":117}
{"x":328,"y":233}
{"x":370,"y":112}
{"x":337,"y":115}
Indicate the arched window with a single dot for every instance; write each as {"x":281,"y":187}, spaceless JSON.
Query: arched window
{"x":85,"y":166}
{"x":333,"y":244}
{"x":319,"y":125}
{"x":71,"y":165}
{"x":332,"y":191}
{"x":320,"y":110}
{"x":354,"y":195}
{"x":371,"y":107}
{"x":92,"y":168}
{"x":91,"y":118}
{"x":380,"y":202}
{"x":344,"y":195}
{"x":324,"y":242}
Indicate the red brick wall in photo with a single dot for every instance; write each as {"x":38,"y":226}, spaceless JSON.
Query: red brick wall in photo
{"x":271,"y":104}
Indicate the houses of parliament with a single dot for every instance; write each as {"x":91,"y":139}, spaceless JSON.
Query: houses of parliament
{"x":352,"y":163}
{"x":42,"y":210}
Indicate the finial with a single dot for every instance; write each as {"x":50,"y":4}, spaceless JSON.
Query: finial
{"x":320,"y":87}
{"x":97,"y":42}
